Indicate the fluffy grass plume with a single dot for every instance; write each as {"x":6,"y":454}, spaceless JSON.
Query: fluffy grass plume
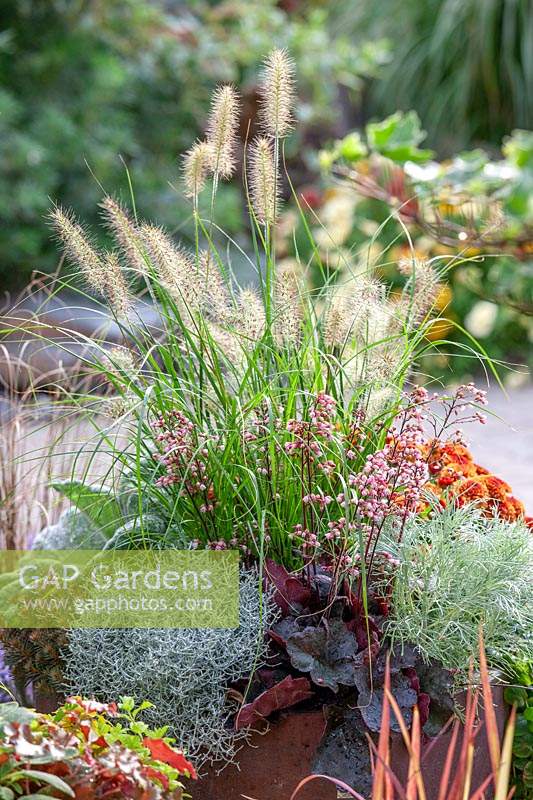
{"x":222,"y":130}
{"x":196,"y":165}
{"x":288,"y":307}
{"x":277,"y":94}
{"x":79,"y":249}
{"x":251,"y":316}
{"x":263,"y":181}
{"x":117,"y":291}
{"x":125,"y":233}
{"x":421,"y":292}
{"x":175,"y":269}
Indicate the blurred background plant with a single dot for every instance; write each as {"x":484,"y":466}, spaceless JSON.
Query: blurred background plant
{"x":126,"y":83}
{"x":386,"y":197}
{"x":466,"y":67}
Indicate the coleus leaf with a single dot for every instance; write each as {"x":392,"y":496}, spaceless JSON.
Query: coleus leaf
{"x":44,"y":777}
{"x":155,"y":774}
{"x":11,"y":712}
{"x":284,"y":694}
{"x":329,"y":654}
{"x":161,"y":751}
{"x":290,"y":592}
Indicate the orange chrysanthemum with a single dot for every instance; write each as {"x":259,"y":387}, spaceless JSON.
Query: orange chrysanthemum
{"x":454,"y":475}
{"x":448,"y":454}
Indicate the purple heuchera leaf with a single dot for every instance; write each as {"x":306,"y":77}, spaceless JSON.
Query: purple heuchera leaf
{"x":284,"y":694}
{"x":329,"y":654}
{"x":281,"y":631}
{"x":290,"y":593}
{"x":370,"y":700}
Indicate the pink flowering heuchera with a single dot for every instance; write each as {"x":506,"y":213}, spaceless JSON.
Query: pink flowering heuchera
{"x":327,"y":482}
{"x":183,"y":458}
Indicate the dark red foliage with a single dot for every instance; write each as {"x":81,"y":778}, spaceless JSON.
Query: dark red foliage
{"x":290,"y":593}
{"x":284,"y":694}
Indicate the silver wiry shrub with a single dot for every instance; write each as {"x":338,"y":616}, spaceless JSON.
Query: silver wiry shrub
{"x":459,"y":570}
{"x":183,"y":672}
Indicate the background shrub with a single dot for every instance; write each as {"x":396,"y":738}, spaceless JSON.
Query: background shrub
{"x":102,"y":86}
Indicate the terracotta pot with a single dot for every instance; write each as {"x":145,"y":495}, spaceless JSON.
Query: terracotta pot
{"x":274,"y":762}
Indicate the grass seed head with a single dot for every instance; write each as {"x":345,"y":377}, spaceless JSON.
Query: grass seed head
{"x":277,"y":94}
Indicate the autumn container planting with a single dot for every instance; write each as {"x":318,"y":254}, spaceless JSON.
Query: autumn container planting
{"x":285,"y":420}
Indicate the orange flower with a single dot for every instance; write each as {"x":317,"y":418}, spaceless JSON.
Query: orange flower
{"x":455,"y":474}
{"x":442,"y":455}
{"x":449,"y":475}
{"x":481,"y":470}
{"x":496,"y":488}
{"x":469,"y":490}
{"x":511,"y":509}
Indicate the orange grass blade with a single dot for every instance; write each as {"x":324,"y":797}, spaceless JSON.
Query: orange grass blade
{"x":407,"y":741}
{"x":393,"y":778}
{"x":468,"y":770}
{"x":504,"y":770}
{"x":445,"y":777}
{"x":379,"y":783}
{"x":491,"y":726}
{"x":339,"y":784}
{"x":469,"y":734}
{"x":414,"y":761}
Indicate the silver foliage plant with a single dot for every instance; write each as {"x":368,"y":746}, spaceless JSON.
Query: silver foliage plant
{"x":460,"y":569}
{"x":185,"y":673}
{"x":73,"y":531}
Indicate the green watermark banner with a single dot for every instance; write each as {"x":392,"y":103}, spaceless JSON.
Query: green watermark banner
{"x":119,"y":589}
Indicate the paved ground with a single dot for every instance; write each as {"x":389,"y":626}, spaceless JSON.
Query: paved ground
{"x":505,"y":444}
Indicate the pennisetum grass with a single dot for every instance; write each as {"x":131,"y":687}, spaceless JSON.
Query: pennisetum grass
{"x":227,"y":373}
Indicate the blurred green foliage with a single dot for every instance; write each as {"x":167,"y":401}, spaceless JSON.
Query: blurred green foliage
{"x":93,"y":86}
{"x":466,"y":66}
{"x":472,"y":215}
{"x":521,"y":695}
